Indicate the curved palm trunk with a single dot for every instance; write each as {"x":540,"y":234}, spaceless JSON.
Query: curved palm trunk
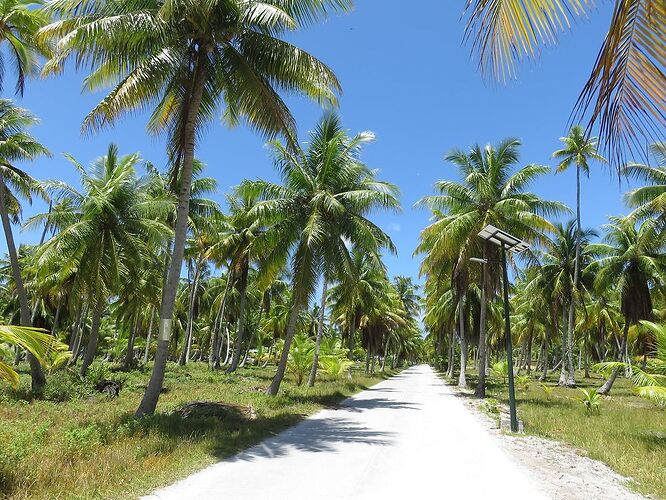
{"x":320,"y":332}
{"x":228,"y":352}
{"x":282,"y":365}
{"x":215,"y":347}
{"x":152,"y":393}
{"x":36,"y":372}
{"x":242,"y":313}
{"x":462,"y":380}
{"x":91,"y":348}
{"x":608,"y":385}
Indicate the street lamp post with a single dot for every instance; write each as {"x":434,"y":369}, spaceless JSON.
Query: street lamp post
{"x":507,"y":243}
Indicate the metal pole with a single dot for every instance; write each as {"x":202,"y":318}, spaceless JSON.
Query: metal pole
{"x":509,"y":347}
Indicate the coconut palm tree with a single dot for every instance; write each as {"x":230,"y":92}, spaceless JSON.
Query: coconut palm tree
{"x":239,"y":243}
{"x":187,"y":58}
{"x":105,"y":232}
{"x":491,"y":192}
{"x":624,"y":93}
{"x":557,"y":281}
{"x":650,"y":200}
{"x":631,"y":260}
{"x":578,"y":150}
{"x":19,"y":22}
{"x":15,"y":146}
{"x":319,"y":211}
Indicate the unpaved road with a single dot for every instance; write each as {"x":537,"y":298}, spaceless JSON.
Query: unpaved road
{"x":406,"y":437}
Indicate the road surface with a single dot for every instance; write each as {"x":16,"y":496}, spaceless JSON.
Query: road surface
{"x":406,"y":437}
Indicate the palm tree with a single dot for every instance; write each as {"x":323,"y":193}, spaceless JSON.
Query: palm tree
{"x":490,"y":193}
{"x":631,"y":260}
{"x":650,"y":200}
{"x":240,"y":243}
{"x":105,"y":232}
{"x":16,"y":145}
{"x":19,"y":22}
{"x":188,"y":58}
{"x":625,"y":90}
{"x":554,"y":282}
{"x":356,"y":293}
{"x":578,"y":150}
{"x":320,"y":210}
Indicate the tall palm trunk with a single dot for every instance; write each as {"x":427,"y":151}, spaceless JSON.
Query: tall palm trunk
{"x":152,"y":393}
{"x":185,"y":354}
{"x":129,"y":353}
{"x":242,"y":313}
{"x":36,"y":372}
{"x":608,"y":385}
{"x":564,"y":368}
{"x":350,"y":344}
{"x":320,"y":332}
{"x":462,"y":381}
{"x":481,"y":384}
{"x":386,"y":349}
{"x":91,"y":348}
{"x":284,"y":357}
{"x":146,"y":353}
{"x":254,"y":334}
{"x":452,"y":354}
{"x":571,"y":376}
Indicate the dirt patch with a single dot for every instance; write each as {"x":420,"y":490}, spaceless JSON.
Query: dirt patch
{"x":563,"y":472}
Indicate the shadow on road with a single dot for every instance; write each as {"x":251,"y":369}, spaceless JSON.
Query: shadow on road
{"x":318,"y":436}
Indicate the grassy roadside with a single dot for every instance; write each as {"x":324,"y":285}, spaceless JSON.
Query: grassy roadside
{"x":91,"y":447}
{"x":628,"y":434}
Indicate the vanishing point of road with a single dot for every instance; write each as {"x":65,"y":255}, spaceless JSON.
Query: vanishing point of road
{"x":406,"y":437}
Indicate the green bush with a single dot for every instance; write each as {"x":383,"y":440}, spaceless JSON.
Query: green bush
{"x":64,"y":386}
{"x":79,"y":441}
{"x":97,"y":372}
{"x":491,"y":405}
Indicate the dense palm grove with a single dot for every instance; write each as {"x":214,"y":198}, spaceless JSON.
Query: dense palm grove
{"x":138,"y":265}
{"x":582,"y":299}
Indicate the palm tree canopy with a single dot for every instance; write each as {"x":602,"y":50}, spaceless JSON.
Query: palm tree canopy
{"x":632,"y":260}
{"x":145,"y":51}
{"x":578,"y":150}
{"x":322,"y":206}
{"x":491,"y":192}
{"x":649,"y":200}
{"x":19,"y":22}
{"x":16,"y":145}
{"x":105,"y":229}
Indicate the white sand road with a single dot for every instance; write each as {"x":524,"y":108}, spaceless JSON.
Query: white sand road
{"x":406,"y":437}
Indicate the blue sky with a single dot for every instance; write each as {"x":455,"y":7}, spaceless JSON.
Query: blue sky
{"x":406,"y":76}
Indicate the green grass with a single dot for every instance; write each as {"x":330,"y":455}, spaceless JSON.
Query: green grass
{"x":92,"y":447}
{"x":628,"y":434}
